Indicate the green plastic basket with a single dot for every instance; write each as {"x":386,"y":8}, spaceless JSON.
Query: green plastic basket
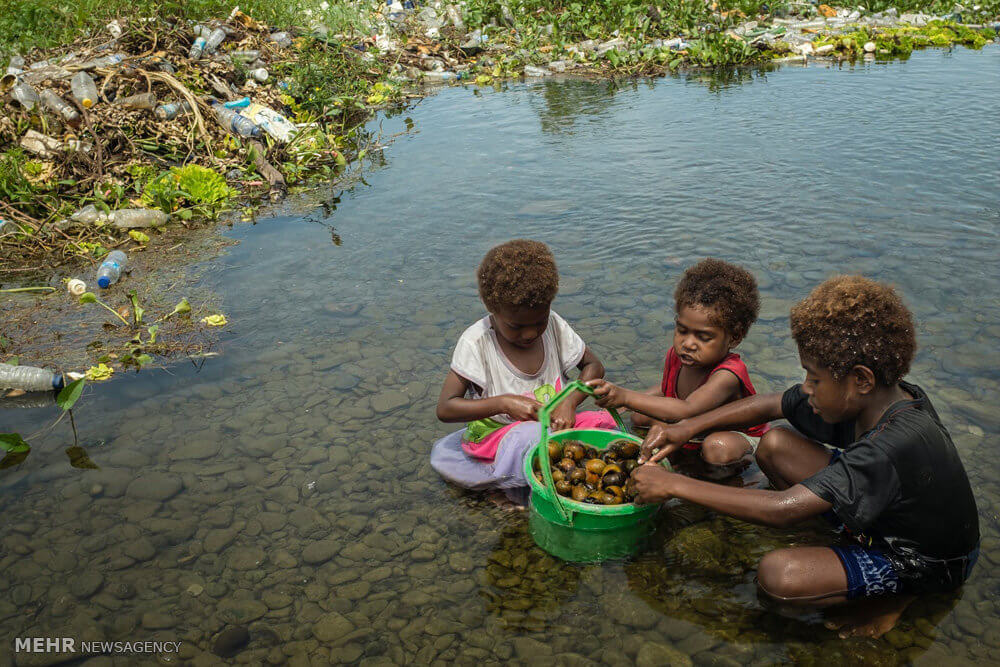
{"x":574,"y":531}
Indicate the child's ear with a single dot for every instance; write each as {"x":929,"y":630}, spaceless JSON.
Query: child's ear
{"x":863,"y":379}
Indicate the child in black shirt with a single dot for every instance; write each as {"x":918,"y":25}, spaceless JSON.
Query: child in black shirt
{"x":894,"y":479}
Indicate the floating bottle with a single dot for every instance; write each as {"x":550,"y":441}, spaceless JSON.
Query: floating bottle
{"x":111,"y":269}
{"x":137,"y":218}
{"x":84,"y":89}
{"x":60,"y":106}
{"x":172,"y":110}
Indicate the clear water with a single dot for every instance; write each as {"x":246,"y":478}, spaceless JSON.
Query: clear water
{"x":285,"y":486}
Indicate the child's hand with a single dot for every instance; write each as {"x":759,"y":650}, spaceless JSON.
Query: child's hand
{"x":521,"y":408}
{"x":666,"y":438}
{"x":652,"y":484}
{"x":607,"y":395}
{"x":563,"y":417}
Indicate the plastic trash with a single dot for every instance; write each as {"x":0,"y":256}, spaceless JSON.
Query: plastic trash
{"x":89,"y":215}
{"x":244,"y":56}
{"x":270,"y":121}
{"x":213,"y":41}
{"x":172,"y":110}
{"x":442,"y":76}
{"x":15,"y":66}
{"x":60,"y":106}
{"x":115,"y":28}
{"x":84,"y":89}
{"x":24,"y":95}
{"x":40,"y":144}
{"x":141,"y":101}
{"x":235,"y":123}
{"x":76,"y":287}
{"x":531,"y":70}
{"x":111,"y":269}
{"x":109,"y":60}
{"x":282,"y":39}
{"x":137,"y":218}
{"x":198,"y":48}
{"x":259,"y":74}
{"x":29,"y":378}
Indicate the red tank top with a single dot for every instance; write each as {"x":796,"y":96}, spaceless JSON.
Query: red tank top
{"x":732,"y":363}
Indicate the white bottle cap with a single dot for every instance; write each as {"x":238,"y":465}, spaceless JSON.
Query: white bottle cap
{"x":76,"y":287}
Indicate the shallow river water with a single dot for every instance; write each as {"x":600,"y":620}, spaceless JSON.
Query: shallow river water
{"x":284,"y":486}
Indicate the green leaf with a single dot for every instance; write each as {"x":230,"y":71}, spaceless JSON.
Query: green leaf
{"x":136,"y":308}
{"x":182,"y":308}
{"x":143,"y":360}
{"x":70,"y":394}
{"x":152,"y":334}
{"x":13,"y":443}
{"x":78,"y":458}
{"x":88,"y":297}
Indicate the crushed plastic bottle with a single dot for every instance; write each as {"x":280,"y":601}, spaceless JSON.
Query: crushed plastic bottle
{"x":235,"y":123}
{"x":137,"y":218}
{"x":142,"y":101}
{"x":84,"y":89}
{"x":198,"y":48}
{"x":270,"y":121}
{"x":212,"y":43}
{"x":282,"y":39}
{"x":172,"y":110}
{"x":89,"y":215}
{"x":29,"y":378}
{"x":60,"y":106}
{"x":24,"y":95}
{"x":16,"y":66}
{"x":109,"y":60}
{"x":111,"y":268}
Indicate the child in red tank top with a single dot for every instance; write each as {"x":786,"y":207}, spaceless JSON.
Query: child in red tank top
{"x":716,"y":303}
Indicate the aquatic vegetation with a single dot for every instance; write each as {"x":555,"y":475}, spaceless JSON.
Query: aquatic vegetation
{"x":194,"y":187}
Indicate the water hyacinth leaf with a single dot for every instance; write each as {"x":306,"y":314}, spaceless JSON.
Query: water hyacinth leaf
{"x":143,"y":360}
{"x":99,"y":372}
{"x":13,"y":443}
{"x":13,"y":458}
{"x":138,"y":236}
{"x":152,"y":334}
{"x":218,"y":320}
{"x":136,"y":308}
{"x":70,"y":394}
{"x":182,"y":308}
{"x":78,"y":458}
{"x":88,"y":297}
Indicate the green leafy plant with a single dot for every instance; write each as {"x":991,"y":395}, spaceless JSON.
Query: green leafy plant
{"x":192,"y":186}
{"x":90,"y":297}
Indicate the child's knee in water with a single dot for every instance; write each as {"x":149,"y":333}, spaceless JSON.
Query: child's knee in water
{"x":724,"y":448}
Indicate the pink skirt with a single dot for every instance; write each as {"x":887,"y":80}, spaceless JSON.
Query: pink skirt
{"x":486,"y":449}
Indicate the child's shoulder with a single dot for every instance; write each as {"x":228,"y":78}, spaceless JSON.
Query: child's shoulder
{"x":475,"y":332}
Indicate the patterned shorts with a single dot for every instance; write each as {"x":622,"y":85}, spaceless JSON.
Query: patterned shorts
{"x":869,"y":572}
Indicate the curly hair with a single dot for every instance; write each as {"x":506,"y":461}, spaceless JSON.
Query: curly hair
{"x":850,"y":321}
{"x":518,"y":274}
{"x":729,"y":290}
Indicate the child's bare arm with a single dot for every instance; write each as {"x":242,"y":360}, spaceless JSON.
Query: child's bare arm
{"x":770,"y":508}
{"x":454,"y":407}
{"x":749,"y":411}
{"x":641,"y":420}
{"x":564,"y":416}
{"x":719,"y":388}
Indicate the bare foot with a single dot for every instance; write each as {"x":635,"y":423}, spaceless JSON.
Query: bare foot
{"x":499,"y":499}
{"x":868,"y":618}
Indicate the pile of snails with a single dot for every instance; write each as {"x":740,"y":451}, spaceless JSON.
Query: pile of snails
{"x":589,"y":475}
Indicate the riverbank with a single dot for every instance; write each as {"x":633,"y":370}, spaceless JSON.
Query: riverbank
{"x":328,"y":72}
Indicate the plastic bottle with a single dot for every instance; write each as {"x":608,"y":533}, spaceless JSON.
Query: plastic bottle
{"x":24,"y":95}
{"x":172,"y":110}
{"x":29,"y":378}
{"x":244,"y":56}
{"x":198,"y":48}
{"x":213,"y":41}
{"x":282,"y":39}
{"x":109,"y":60}
{"x":111,"y":269}
{"x":141,"y":101}
{"x":137,"y":218}
{"x":235,"y":123}
{"x":259,"y":74}
{"x":60,"y":106}
{"x":84,"y":89}
{"x":16,"y":66}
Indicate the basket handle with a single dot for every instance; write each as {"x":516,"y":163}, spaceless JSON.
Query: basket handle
{"x":545,"y":462}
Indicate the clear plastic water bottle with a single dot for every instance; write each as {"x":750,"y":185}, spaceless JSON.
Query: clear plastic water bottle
{"x":246,"y":56}
{"x":172,"y":110}
{"x":146,"y":101}
{"x":111,"y":269}
{"x":213,"y":41}
{"x":235,"y":123}
{"x":84,"y":89}
{"x":198,"y":48}
{"x":29,"y":378}
{"x":24,"y":95}
{"x":60,"y":106}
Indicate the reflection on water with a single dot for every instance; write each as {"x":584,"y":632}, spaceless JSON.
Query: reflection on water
{"x":284,"y":486}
